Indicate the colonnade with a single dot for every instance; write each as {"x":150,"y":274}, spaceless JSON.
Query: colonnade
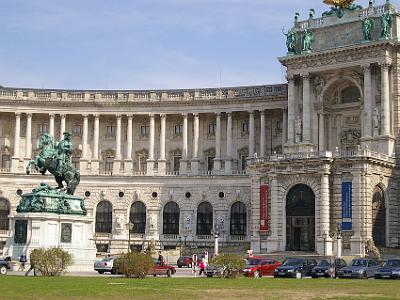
{"x":124,"y":162}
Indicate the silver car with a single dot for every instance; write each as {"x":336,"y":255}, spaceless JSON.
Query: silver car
{"x":359,"y":268}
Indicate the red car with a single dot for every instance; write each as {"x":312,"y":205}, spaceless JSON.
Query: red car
{"x":257,"y":266}
{"x":162,"y":269}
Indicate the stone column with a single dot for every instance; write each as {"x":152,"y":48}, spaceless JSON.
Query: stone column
{"x":62,"y":125}
{"x":321,"y":132}
{"x":262,"y":134}
{"x":385,"y":100}
{"x":284,"y":126}
{"x":17,"y":134}
{"x":291,"y":110}
{"x":28,"y":142}
{"x":251,"y":134}
{"x":228,"y":159}
{"x":162,"y":162}
{"x":128,"y":162}
{"x":196,"y":134}
{"x":306,"y":109}
{"x":357,"y":242}
{"x":325,"y":245}
{"x":367,"y":122}
{"x":84,"y":159}
{"x":118,"y":153}
{"x":150,"y":161}
{"x":96,"y":135}
{"x":184,"y":160}
{"x":217,"y":159}
{"x":274,"y":241}
{"x":51,"y":127}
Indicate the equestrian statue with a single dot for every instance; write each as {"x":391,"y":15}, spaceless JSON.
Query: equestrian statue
{"x":57,"y":160}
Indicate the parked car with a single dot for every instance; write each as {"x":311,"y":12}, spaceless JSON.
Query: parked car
{"x":295,"y":267}
{"x":257,"y":266}
{"x":5,"y":265}
{"x":214,"y":270}
{"x":187,"y":261}
{"x":162,"y":269}
{"x":327,"y":268}
{"x":105,"y":265}
{"x":390,"y":269}
{"x":359,"y":268}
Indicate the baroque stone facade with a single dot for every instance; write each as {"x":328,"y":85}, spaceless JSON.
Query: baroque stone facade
{"x":276,"y":167}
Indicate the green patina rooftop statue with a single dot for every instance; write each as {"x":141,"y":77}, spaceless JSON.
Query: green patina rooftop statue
{"x":57,"y":160}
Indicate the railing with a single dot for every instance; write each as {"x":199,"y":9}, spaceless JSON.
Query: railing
{"x":166,"y":95}
{"x":357,"y":153}
{"x":204,"y":237}
{"x":237,"y":237}
{"x":171,"y":236}
{"x":376,"y":11}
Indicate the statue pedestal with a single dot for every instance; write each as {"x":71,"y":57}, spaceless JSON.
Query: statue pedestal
{"x":48,"y":218}
{"x":72,"y":233}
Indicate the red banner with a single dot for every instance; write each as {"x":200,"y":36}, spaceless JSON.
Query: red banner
{"x":263,"y":207}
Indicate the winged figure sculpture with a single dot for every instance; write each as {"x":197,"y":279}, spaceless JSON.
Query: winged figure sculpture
{"x":339,"y":3}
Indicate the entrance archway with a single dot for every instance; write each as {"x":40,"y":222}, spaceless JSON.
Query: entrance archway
{"x":378,"y":217}
{"x":300,"y":219}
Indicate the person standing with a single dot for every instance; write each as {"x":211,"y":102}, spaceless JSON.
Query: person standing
{"x":22,"y":261}
{"x":160,"y":259}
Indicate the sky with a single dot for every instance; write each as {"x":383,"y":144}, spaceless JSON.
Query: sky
{"x":146,"y":44}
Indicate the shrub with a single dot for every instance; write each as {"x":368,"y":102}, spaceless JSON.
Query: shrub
{"x":135,"y":264}
{"x":233,"y":263}
{"x":52,"y":261}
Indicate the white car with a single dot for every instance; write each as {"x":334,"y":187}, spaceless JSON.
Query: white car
{"x":105,"y":265}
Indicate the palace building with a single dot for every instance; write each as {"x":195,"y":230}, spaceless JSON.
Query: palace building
{"x":274,"y":167}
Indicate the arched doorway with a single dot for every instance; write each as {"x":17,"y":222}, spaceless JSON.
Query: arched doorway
{"x":300,"y":219}
{"x":378,"y":217}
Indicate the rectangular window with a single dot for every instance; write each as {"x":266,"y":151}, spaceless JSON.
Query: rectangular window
{"x":177,"y":160}
{"x":111,"y":131}
{"x":243,"y":160}
{"x":5,"y":162}
{"x":76,"y":162}
{"x":211,"y":129}
{"x":210,"y":163}
{"x":43,"y":128}
{"x":108,"y":166}
{"x":144,"y":130}
{"x":77,"y":130}
{"x":178,"y":129}
{"x":245,"y":128}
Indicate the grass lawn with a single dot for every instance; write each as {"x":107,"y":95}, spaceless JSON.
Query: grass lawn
{"x":98,"y":288}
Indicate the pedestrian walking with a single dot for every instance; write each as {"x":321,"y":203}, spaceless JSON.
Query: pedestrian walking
{"x":33,"y":263}
{"x":202,"y":265}
{"x":22,"y":262}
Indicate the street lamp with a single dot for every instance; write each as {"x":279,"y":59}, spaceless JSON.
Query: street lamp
{"x":129,"y":226}
{"x":339,"y":240}
{"x":215,"y":232}
{"x":324,"y":236}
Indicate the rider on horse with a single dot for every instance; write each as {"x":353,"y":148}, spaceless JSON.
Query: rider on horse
{"x":64,"y":148}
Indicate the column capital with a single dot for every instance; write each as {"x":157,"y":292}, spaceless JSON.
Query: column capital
{"x":251,"y":112}
{"x":185,"y":114}
{"x":18,"y":114}
{"x":63,"y":116}
{"x":96,"y":115}
{"x":85,"y":116}
{"x":29,"y":115}
{"x":151,"y":115}
{"x":196,"y":114}
{"x":385,"y":65}
{"x":366,"y":68}
{"x":229,"y":113}
{"x":130,"y":116}
{"x":218,"y":114}
{"x":118,"y":116}
{"x":52,"y":115}
{"x":290,"y":78}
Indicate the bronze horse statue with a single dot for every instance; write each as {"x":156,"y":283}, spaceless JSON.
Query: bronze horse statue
{"x":50,"y":159}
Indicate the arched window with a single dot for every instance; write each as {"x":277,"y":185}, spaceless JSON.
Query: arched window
{"x":171,"y":218}
{"x":238,"y":219}
{"x":4,"y":212}
{"x":104,"y":217}
{"x":350,"y":94}
{"x":137,"y":217}
{"x":204,"y":219}
{"x":378,"y":217}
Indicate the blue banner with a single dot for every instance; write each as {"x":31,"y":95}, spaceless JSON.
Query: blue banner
{"x":347,"y":209}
